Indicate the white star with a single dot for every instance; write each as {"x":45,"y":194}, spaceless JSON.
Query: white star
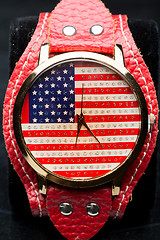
{"x":71,"y":91}
{"x":71,"y":105}
{"x":71,"y":119}
{"x":34,"y":120}
{"x":40,"y":85}
{"x":52,"y":72}
{"x":34,"y":106}
{"x":65,"y":85}
{"x":59,"y":91}
{"x":59,"y":105}
{"x":65,"y":112}
{"x":59,"y":78}
{"x":71,"y":64}
{"x":59,"y":119}
{"x":65,"y":71}
{"x":65,"y":98}
{"x":71,"y":78}
{"x":46,"y":92}
{"x":46,"y":78}
{"x":52,"y":85}
{"x":34,"y":92}
{"x":46,"y":106}
{"x":41,"y":113}
{"x":47,"y":120}
{"x":53,"y":112}
{"x":40,"y":99}
{"x":53,"y":99}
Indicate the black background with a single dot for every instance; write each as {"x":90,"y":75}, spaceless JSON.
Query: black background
{"x":12,"y":226}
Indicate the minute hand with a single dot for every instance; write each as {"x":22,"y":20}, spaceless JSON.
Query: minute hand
{"x":85,"y":124}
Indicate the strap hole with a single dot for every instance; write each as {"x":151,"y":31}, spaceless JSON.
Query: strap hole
{"x":96,"y":30}
{"x":69,"y":31}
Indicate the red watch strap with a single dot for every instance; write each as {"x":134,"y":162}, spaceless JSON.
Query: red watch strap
{"x":79,"y":225}
{"x":27,"y":63}
{"x":74,"y":14}
{"x":82,"y":15}
{"x":136,"y":66}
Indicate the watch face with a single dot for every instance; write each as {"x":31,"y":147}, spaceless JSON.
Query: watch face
{"x":81,"y":120}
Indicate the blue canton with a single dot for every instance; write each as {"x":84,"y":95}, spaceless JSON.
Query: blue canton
{"x":52,"y":96}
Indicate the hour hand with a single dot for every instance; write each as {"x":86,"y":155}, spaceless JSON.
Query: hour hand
{"x":85,"y":124}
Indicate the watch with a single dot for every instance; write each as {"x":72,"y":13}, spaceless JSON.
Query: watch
{"x":80,"y":117}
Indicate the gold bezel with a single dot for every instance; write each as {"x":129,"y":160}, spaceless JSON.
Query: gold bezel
{"x":75,"y":56}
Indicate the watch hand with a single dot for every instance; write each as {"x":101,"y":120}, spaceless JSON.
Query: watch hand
{"x":81,"y":121}
{"x":85,"y":124}
{"x":79,"y":125}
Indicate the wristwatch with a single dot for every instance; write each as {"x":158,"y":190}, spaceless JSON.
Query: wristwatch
{"x":80,"y":117}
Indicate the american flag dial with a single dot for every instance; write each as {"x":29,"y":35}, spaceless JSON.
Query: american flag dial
{"x":51,"y":115}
